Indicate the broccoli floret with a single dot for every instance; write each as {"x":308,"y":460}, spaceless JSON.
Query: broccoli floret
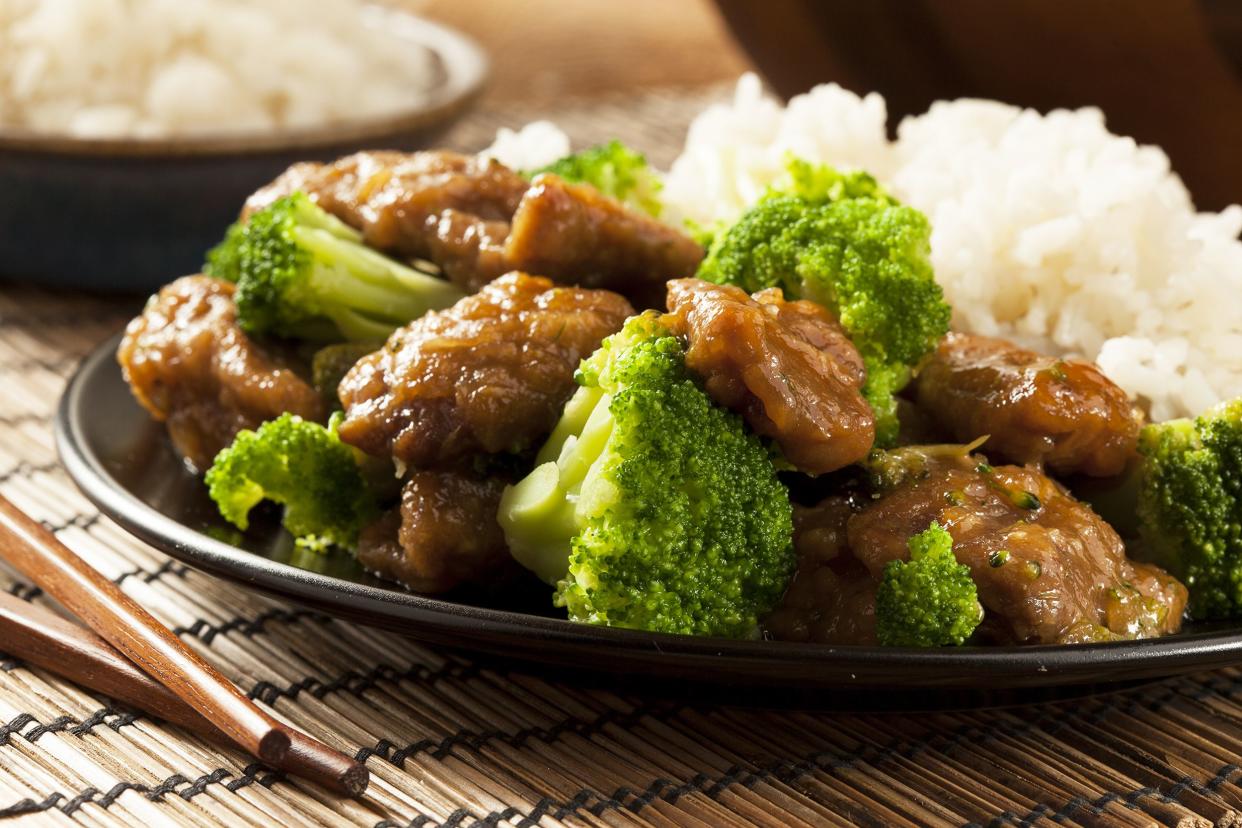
{"x":930,"y":600}
{"x":223,"y":261}
{"x":651,"y":508}
{"x":302,"y":465}
{"x":840,"y":240}
{"x":1190,"y":505}
{"x":821,"y":183}
{"x":303,"y":273}
{"x":615,"y":170}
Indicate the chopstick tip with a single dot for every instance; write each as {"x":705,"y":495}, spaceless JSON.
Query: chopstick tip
{"x":274,"y":746}
{"x":313,"y":760}
{"x":356,"y":779}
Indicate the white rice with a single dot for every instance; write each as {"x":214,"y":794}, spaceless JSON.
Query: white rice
{"x":734,"y":151}
{"x":151,"y":68}
{"x":535,"y":145}
{"x":1052,"y":231}
{"x":1047,"y":229}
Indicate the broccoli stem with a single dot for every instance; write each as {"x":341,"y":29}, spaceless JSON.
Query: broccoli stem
{"x":572,"y":421}
{"x":366,"y":283}
{"x":582,"y":450}
{"x":355,"y":327}
{"x":538,"y":518}
{"x":305,"y":274}
{"x":541,"y":514}
{"x":307,"y":214}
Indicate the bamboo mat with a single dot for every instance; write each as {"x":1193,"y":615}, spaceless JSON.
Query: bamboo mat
{"x":456,"y":742}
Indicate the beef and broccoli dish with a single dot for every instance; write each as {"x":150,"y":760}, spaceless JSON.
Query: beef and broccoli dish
{"x":459,"y":372}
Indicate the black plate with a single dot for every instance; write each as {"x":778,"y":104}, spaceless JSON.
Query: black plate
{"x":123,"y":462}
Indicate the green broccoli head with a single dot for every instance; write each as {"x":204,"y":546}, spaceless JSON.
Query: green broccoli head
{"x":821,"y":183}
{"x":930,"y":600}
{"x":652,"y":508}
{"x":303,"y":466}
{"x":223,"y":260}
{"x":615,"y":170}
{"x":1190,"y":505}
{"x":303,"y":273}
{"x":839,"y":240}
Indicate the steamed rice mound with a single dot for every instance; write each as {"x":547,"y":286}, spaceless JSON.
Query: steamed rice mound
{"x":735,"y":150}
{"x":1052,"y":231}
{"x":1047,"y":229}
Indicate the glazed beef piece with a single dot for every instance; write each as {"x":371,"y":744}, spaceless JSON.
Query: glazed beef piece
{"x":831,"y":599}
{"x":786,"y":367}
{"x":1062,"y":413}
{"x":573,"y":234}
{"x":442,"y":535}
{"x":477,"y":220}
{"x":1048,"y":569}
{"x":450,"y":208}
{"x":191,"y":366}
{"x":488,"y":375}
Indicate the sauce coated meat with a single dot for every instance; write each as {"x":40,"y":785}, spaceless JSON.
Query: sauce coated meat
{"x":1048,"y":569}
{"x":488,"y":375}
{"x":477,"y":219}
{"x":1052,"y":574}
{"x":450,"y":208}
{"x":831,"y":599}
{"x":191,"y":366}
{"x":1062,"y":413}
{"x":573,"y":234}
{"x":786,"y":367}
{"x":443,"y":534}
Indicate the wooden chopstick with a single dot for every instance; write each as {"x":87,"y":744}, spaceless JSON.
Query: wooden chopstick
{"x":40,"y":637}
{"x":44,"y":639}
{"x":121,"y":622}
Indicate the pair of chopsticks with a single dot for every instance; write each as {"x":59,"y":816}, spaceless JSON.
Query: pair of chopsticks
{"x":135,"y":659}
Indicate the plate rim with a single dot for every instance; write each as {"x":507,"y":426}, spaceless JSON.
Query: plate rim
{"x":439,"y":620}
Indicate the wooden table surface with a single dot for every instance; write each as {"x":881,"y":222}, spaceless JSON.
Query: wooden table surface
{"x":547,"y":50}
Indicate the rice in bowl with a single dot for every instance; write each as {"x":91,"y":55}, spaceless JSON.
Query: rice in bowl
{"x":157,"y":68}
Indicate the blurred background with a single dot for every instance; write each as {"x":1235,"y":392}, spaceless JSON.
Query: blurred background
{"x":545,"y":50}
{"x":148,"y":184}
{"x":1165,"y":71}
{"x":140,"y":123}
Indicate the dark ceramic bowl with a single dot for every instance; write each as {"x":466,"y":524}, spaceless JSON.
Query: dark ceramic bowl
{"x":1166,"y":73}
{"x":125,"y":215}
